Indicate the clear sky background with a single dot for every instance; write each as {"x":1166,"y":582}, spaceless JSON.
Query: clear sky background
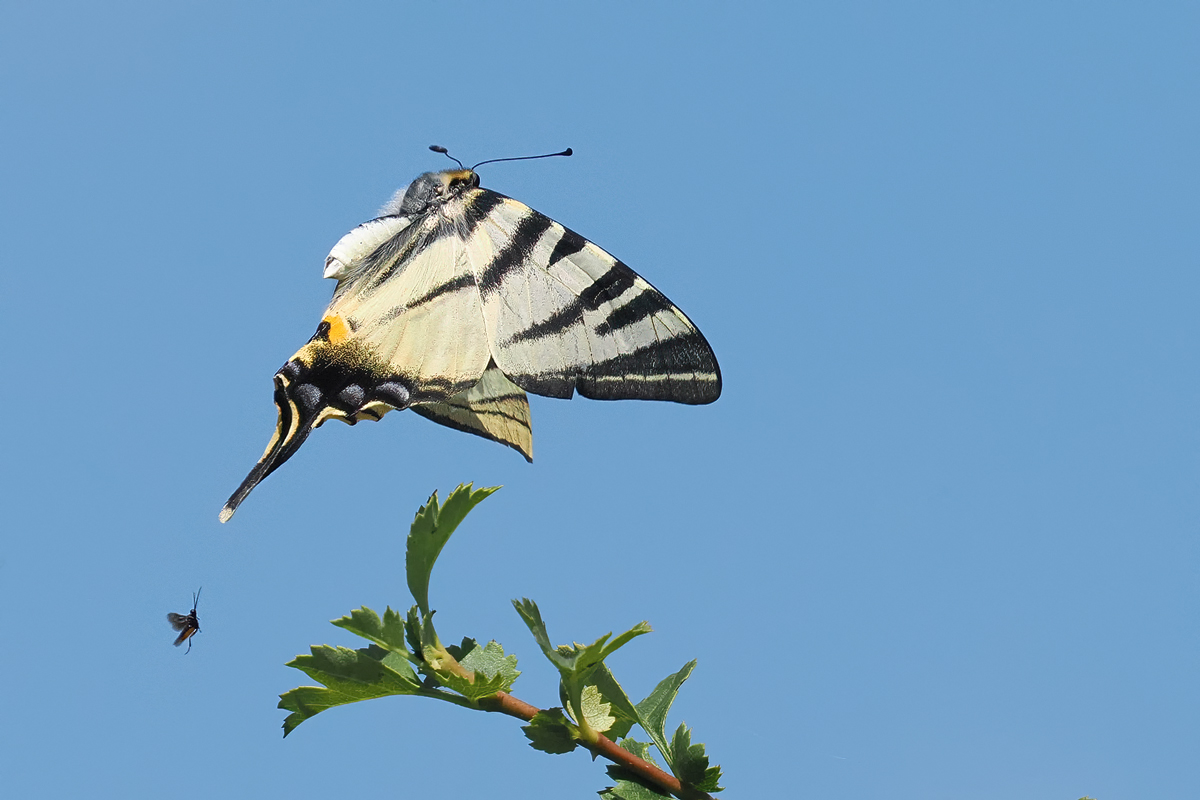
{"x":938,"y":538}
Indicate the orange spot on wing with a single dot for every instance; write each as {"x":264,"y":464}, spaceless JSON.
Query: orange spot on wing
{"x":338,"y":330}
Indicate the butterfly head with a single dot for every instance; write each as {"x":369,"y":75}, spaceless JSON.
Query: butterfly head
{"x":431,"y":190}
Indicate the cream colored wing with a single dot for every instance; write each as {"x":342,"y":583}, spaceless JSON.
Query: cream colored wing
{"x":494,"y":408}
{"x":564,"y":316}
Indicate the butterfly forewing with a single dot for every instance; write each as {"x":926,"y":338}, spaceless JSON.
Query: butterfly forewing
{"x":563,"y":315}
{"x":425,"y":319}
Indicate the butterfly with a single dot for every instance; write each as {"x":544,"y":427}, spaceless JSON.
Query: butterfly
{"x":457,"y":300}
{"x":189,"y":625}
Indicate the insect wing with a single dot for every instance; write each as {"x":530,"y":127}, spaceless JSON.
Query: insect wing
{"x":563,"y":315}
{"x":495,"y":408}
{"x":188,"y":632}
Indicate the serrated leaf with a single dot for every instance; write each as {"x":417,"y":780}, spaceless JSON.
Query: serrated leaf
{"x":577,"y":664}
{"x":629,"y":786}
{"x":641,"y":628}
{"x":639,"y":749}
{"x":652,"y":712}
{"x":632,"y":790}
{"x":621,"y":706}
{"x":308,"y":701}
{"x":595,"y":710}
{"x":491,"y":662}
{"x":482,"y":686}
{"x":412,"y":631}
{"x":387,"y":633}
{"x":690,"y":764}
{"x":532,"y":618}
{"x":576,"y":661}
{"x":430,"y":530}
{"x":550,"y":732}
{"x":356,"y":672}
{"x":348,"y":677}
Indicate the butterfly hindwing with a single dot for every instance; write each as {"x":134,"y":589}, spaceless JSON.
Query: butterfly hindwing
{"x":494,"y":408}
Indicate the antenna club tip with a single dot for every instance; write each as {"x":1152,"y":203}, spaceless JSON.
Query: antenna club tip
{"x":437,"y":148}
{"x":568,"y":152}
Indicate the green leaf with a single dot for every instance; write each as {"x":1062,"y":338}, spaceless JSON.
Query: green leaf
{"x":639,"y":749}
{"x":491,"y":662}
{"x":551,"y":732}
{"x":492,"y":670}
{"x":621,"y":706}
{"x":429,"y":637}
{"x":652,"y":712}
{"x":533,"y":620}
{"x":595,"y":711}
{"x":637,"y":630}
{"x":357,"y":672}
{"x":577,"y":664}
{"x":630,"y":786}
{"x":691,"y":764}
{"x":348,"y":676}
{"x":308,"y":701}
{"x":481,"y":686}
{"x":631,"y":789}
{"x":430,"y":530}
{"x":387,"y":633}
{"x":412,"y":631}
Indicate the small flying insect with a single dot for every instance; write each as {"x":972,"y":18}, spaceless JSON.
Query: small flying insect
{"x":188,"y":626}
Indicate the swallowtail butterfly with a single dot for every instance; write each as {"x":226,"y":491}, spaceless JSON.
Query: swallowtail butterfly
{"x":455,"y":301}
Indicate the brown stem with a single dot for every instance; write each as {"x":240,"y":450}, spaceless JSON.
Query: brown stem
{"x":505,"y":703}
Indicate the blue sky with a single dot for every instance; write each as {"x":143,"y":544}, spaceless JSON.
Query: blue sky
{"x":936,"y":539}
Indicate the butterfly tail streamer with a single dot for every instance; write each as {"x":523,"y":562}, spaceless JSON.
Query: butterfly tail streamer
{"x":297,"y":419}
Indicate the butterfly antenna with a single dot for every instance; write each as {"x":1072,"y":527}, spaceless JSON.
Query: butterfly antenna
{"x":566,"y":152}
{"x":437,"y":148}
{"x":196,"y":598}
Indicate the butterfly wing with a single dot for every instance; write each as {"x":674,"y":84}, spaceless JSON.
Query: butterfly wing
{"x":494,"y":408}
{"x":178,"y":621}
{"x":405,"y":326}
{"x":564,"y":316}
{"x":414,"y":306}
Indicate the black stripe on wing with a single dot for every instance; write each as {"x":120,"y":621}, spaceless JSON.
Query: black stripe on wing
{"x":568,"y":245}
{"x":516,"y":252}
{"x":466,"y":281}
{"x":392,"y":255}
{"x":605,"y":290}
{"x":681,"y":369}
{"x":479,"y":204}
{"x":645,"y":304}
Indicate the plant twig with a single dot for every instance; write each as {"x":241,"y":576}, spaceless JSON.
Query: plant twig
{"x":505,"y":703}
